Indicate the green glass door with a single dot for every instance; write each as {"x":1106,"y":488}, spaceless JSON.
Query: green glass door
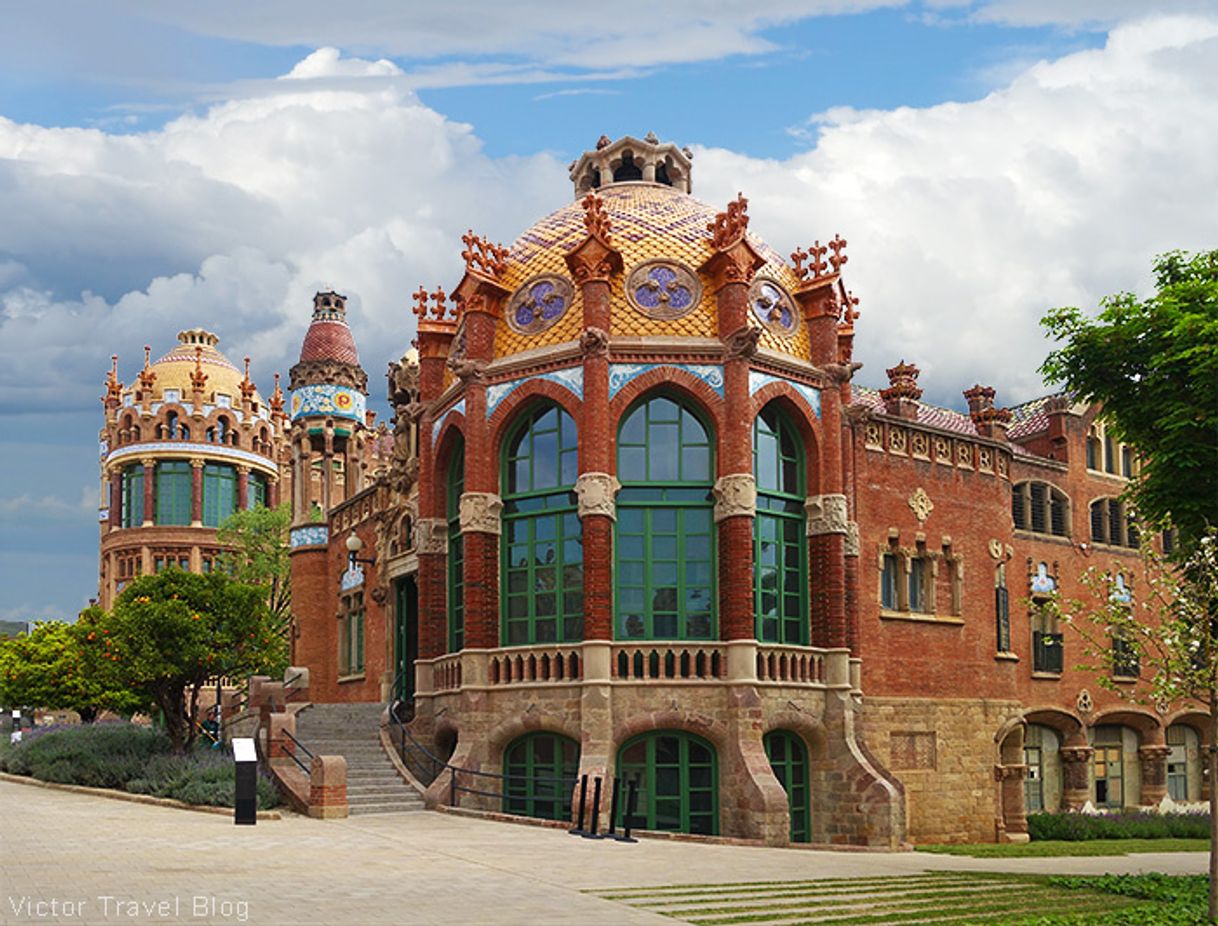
{"x":789,"y":760}
{"x":406,"y":637}
{"x":677,"y":778}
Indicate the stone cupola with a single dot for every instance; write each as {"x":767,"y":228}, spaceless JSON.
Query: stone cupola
{"x":631,"y":160}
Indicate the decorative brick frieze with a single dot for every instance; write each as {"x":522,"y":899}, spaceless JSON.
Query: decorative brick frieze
{"x":596,"y":493}
{"x":480,"y":513}
{"x":735,"y":496}
{"x":826,"y":515}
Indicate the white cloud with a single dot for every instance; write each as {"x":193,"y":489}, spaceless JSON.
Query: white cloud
{"x":51,"y":506}
{"x":967,"y":221}
{"x":328,"y":62}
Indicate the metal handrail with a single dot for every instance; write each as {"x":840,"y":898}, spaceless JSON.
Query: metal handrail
{"x":303,"y":748}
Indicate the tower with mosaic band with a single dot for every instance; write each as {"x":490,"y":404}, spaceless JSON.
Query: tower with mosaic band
{"x":182,"y":447}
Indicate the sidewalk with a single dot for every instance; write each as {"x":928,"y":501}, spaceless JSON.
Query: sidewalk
{"x":159,"y":865}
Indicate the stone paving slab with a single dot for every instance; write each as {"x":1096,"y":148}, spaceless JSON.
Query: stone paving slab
{"x":415,"y":869}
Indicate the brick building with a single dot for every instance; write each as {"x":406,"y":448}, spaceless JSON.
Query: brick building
{"x":183,"y":447}
{"x":636,"y":519}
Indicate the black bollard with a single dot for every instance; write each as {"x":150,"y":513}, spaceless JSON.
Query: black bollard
{"x":583,"y":798}
{"x":596,"y":812}
{"x":612,"y":834}
{"x":632,"y":800}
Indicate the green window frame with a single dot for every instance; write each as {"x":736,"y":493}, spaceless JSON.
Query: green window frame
{"x":780,"y":546}
{"x":665,"y":582}
{"x":219,"y":493}
{"x":256,"y":494}
{"x":133,"y":496}
{"x":539,"y":772}
{"x":174,"y":482}
{"x":677,"y":775}
{"x":351,"y":635}
{"x":456,"y":549}
{"x":789,"y":761}
{"x":542,"y":586}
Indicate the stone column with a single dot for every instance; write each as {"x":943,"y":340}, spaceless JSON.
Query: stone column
{"x":481,"y":524}
{"x":1153,"y":763}
{"x":327,"y":468}
{"x":149,"y":491}
{"x":1076,"y":776}
{"x":196,"y":492}
{"x":1014,"y":816}
{"x":593,"y":263}
{"x":243,"y":487}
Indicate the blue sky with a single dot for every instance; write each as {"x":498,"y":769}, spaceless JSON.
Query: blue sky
{"x":166,"y":165}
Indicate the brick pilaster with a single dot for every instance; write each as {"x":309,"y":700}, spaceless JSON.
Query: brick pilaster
{"x":149,"y":491}
{"x":116,"y":499}
{"x":243,"y":487}
{"x":196,"y":492}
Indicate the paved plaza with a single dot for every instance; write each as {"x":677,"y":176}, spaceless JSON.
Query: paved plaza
{"x":73,"y":858}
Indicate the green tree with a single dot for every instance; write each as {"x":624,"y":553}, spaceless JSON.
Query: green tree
{"x":49,"y":668}
{"x":1153,"y":364}
{"x":258,"y":554}
{"x":168,"y":633}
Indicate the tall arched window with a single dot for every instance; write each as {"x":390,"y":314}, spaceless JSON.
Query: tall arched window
{"x":173,"y":492}
{"x":542,"y":598}
{"x":789,"y":760}
{"x":780,"y":558}
{"x":665,"y":575}
{"x":456,"y":548}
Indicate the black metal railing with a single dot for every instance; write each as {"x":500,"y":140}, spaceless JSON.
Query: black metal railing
{"x":299,"y":746}
{"x":1046,"y":652}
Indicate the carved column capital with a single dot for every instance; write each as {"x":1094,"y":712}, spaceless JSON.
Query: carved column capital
{"x":596,"y":494}
{"x":826,"y":515}
{"x":1010,"y":772}
{"x":735,"y":496}
{"x":480,"y":513}
{"x":196,"y":462}
{"x":431,"y":535}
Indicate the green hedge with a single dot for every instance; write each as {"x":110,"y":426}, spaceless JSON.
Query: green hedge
{"x":132,"y":758}
{"x":1075,"y":827}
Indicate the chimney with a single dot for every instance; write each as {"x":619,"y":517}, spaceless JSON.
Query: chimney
{"x":901,"y":396}
{"x":989,"y":421}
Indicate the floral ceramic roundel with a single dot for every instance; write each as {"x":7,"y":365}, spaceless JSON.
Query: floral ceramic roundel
{"x":773,"y":306}
{"x":663,"y":289}
{"x":539,"y":303}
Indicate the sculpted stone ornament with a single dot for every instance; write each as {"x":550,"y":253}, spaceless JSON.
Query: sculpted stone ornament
{"x":840,"y":373}
{"x":857,"y":413}
{"x":594,"y":342}
{"x":467,"y":370}
{"x":479,"y":513}
{"x":596,"y":493}
{"x":826,"y":515}
{"x":1083,"y":702}
{"x":735,"y":496}
{"x":741,"y":344}
{"x":431,"y":535}
{"x":852,"y":538}
{"x":920,"y":504}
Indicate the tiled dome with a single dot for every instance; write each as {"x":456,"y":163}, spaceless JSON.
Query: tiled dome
{"x":329,"y":337}
{"x":174,"y":370}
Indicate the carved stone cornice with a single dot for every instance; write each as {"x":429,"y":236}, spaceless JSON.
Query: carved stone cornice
{"x":479,"y":513}
{"x":735,"y":496}
{"x":596,"y":494}
{"x":826,"y":514}
{"x":430,"y":536}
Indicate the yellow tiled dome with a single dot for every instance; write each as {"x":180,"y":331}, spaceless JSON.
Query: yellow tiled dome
{"x":173,"y":371}
{"x":649,"y":221}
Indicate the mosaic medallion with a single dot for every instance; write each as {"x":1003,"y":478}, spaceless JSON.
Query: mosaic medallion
{"x":539,"y":303}
{"x":663,"y":289}
{"x":773,"y":307}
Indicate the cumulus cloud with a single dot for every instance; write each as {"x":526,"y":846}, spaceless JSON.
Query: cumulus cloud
{"x":967,"y":221}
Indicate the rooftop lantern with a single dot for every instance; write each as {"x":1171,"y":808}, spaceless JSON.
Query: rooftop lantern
{"x":631,"y":160}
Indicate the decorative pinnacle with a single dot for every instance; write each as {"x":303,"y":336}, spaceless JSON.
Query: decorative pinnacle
{"x":816,"y":266}
{"x":114,"y":389}
{"x":729,"y":226}
{"x":420,"y":302}
{"x":596,"y":219}
{"x":903,"y":380}
{"x":247,"y":387}
{"x":198,"y":379}
{"x":440,"y":308}
{"x":850,"y":313}
{"x":481,"y":256}
{"x":837,"y":245}
{"x":277,"y":397}
{"x":147,"y":376}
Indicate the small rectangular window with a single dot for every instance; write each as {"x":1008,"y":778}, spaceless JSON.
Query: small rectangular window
{"x":1097,"y":522}
{"x":1039,"y":508}
{"x":1057,"y":516}
{"x":1002,"y":619}
{"x":919,"y":582}
{"x":888,"y":587}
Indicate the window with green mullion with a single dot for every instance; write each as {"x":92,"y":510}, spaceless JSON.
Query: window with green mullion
{"x":544,"y":578}
{"x":133,"y":496}
{"x":456,"y":551}
{"x":789,"y":761}
{"x":539,"y":773}
{"x":677,"y":778}
{"x":173,"y":492}
{"x":219,"y":493}
{"x":780,"y":555}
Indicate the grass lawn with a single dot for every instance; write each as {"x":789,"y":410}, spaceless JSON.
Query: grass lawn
{"x":955,"y":898}
{"x":1056,"y":847}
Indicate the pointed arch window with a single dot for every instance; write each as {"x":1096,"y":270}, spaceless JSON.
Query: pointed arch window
{"x":665,"y":551}
{"x":542,"y":598}
{"x":780,"y":550}
{"x":456,"y":548}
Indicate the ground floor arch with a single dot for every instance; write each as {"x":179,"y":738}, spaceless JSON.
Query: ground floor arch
{"x":539,"y":772}
{"x":788,"y":755}
{"x":677,"y":777}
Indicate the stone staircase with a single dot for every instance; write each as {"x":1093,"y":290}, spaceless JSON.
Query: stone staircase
{"x":353,"y":731}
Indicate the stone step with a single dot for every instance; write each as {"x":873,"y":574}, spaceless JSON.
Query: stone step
{"x":361,"y":809}
{"x":369,"y":800}
{"x":386,"y":791}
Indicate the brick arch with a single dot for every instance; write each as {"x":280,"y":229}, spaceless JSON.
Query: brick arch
{"x":1190,"y":717}
{"x":809,"y":729}
{"x":520,"y":400}
{"x":511,"y":729}
{"x":162,"y":417}
{"x":673,"y":380}
{"x":806,"y":424}
{"x":684,"y":721}
{"x":1148,"y":727}
{"x":453,"y":427}
{"x":1068,"y":725}
{"x":1009,"y":740}
{"x":234,"y":426}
